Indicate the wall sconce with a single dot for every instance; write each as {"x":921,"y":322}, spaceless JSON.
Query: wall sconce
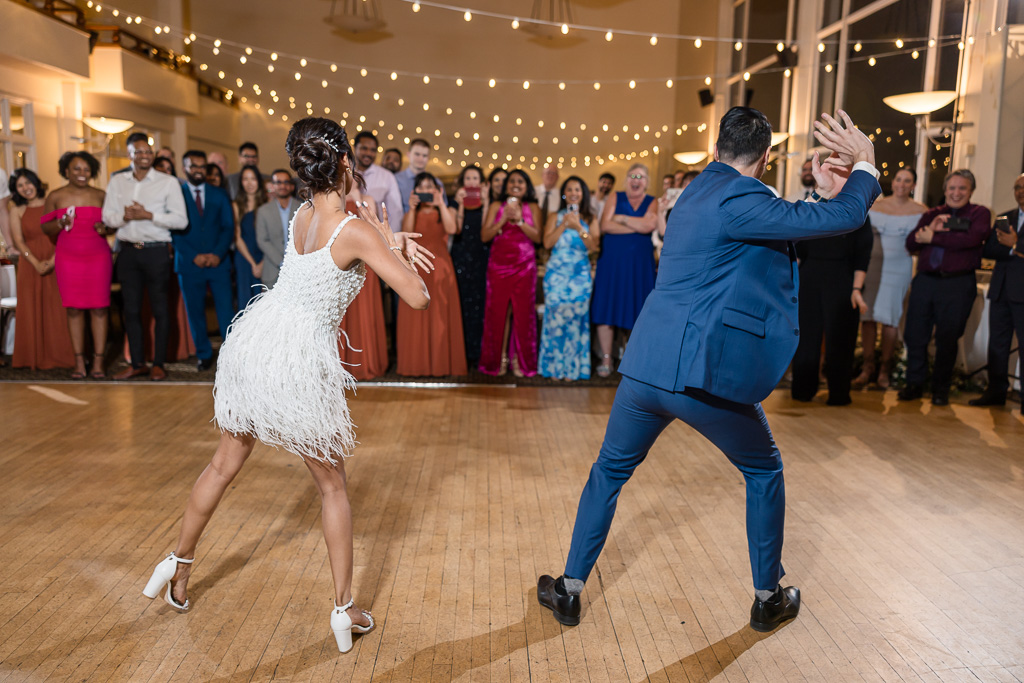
{"x":690,"y":158}
{"x":102,"y":124}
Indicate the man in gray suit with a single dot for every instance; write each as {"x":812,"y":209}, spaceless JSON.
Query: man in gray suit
{"x":248,"y":155}
{"x":272,"y":221}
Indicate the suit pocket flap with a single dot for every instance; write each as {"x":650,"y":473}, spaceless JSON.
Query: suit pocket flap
{"x":743,"y":321}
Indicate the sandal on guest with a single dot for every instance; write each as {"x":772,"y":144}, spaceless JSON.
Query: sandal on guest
{"x":605,"y":368}
{"x":97,"y":374}
{"x":75,"y":374}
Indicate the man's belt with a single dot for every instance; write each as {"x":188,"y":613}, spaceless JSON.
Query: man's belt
{"x":145,"y":245}
{"x":941,"y":274}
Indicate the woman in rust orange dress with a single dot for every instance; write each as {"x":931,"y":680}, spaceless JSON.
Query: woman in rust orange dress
{"x":41,"y":339}
{"x":365,"y":354}
{"x":430,"y":343}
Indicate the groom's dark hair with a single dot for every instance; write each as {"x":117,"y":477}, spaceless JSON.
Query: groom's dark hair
{"x":743,"y":135}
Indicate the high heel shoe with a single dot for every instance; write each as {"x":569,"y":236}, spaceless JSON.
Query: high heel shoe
{"x":605,"y":368}
{"x":343,"y":627}
{"x":162,"y":576}
{"x":503,"y":370}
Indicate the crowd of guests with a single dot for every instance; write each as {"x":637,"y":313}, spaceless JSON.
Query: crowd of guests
{"x":226,"y":234}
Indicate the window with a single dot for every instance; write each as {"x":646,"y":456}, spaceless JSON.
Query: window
{"x":17,"y":134}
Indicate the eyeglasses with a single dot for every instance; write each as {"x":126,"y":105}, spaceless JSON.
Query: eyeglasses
{"x":281,"y":182}
{"x":250,"y":156}
{"x":637,"y":176}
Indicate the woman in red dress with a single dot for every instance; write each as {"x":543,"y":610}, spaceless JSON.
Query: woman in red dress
{"x":41,"y":340}
{"x":430,"y":343}
{"x":82,"y":264}
{"x":365,"y":354}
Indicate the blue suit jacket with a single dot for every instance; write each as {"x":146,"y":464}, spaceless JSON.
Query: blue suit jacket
{"x":723,"y":313}
{"x":211,"y":233}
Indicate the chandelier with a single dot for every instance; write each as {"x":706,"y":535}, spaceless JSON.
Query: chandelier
{"x":356,"y":16}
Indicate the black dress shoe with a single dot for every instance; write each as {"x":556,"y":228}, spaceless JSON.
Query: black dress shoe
{"x":911,"y":392}
{"x":987,"y":399}
{"x":204,"y":364}
{"x":940,"y":400}
{"x":839,"y":400}
{"x":551,"y":594}
{"x":766,"y":615}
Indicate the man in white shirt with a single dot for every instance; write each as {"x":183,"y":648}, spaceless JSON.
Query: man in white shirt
{"x":605,"y":185}
{"x":5,"y":228}
{"x":806,"y":189}
{"x":419,"y":157}
{"x":549,"y":196}
{"x":144,"y":206}
{"x":380,"y":183}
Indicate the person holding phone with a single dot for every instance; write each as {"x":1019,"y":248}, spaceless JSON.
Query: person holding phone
{"x":572,"y":235}
{"x":430,"y":342}
{"x":1006,"y":298}
{"x":510,"y":314}
{"x":943,"y":291}
{"x":470,"y":255}
{"x":83,"y":265}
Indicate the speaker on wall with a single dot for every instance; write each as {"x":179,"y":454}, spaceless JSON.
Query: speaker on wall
{"x":706,"y":98}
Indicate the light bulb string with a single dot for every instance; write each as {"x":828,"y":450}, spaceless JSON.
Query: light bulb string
{"x":245,"y":49}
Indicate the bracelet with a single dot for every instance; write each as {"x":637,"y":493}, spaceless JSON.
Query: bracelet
{"x":398,"y":249}
{"x":858,"y":289}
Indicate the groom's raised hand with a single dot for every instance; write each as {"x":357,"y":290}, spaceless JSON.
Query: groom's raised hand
{"x":848,"y":144}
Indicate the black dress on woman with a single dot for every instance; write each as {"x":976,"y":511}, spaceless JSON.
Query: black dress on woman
{"x":826,"y":311}
{"x":470,"y":254}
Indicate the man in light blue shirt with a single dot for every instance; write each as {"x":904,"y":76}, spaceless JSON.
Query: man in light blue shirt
{"x":419,"y":157}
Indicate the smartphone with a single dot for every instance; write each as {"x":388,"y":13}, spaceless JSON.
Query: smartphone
{"x":573,"y":208}
{"x":425,"y":197}
{"x":958,"y":224}
{"x":1003,"y":223}
{"x":472,"y":199}
{"x":70,"y":213}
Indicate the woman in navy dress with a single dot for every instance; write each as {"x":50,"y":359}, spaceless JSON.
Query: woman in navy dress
{"x":625,"y":270}
{"x":248,"y":256}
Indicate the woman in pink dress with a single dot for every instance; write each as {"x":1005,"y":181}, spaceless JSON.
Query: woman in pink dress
{"x":82,"y":261}
{"x":513,"y":227}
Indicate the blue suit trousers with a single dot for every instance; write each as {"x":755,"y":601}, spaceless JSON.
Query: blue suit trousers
{"x":640,"y":413}
{"x":194,"y":283}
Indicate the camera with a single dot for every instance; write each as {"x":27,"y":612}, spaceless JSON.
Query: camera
{"x":958,"y":224}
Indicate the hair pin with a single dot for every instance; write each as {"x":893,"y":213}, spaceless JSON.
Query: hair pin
{"x":329,"y":144}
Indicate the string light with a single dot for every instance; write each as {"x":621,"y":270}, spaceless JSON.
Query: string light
{"x":697,"y":43}
{"x":608,"y":36}
{"x":515,"y":24}
{"x":415,"y":7}
{"x":468,"y":16}
{"x":654,"y":40}
{"x":565,"y":29}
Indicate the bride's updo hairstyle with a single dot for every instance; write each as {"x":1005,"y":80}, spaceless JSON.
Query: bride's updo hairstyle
{"x":315,"y":147}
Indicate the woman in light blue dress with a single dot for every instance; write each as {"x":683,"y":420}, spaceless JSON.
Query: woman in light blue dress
{"x":889,"y":274}
{"x":565,"y":338}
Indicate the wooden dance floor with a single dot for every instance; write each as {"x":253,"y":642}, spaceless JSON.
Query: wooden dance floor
{"x":905,"y":532}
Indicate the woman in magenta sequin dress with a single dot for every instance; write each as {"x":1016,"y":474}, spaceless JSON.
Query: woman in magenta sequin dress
{"x":512,"y":226}
{"x":82,"y":261}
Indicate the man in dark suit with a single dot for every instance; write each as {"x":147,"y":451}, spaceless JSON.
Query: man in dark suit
{"x":1006,"y":300}
{"x":714,"y":338}
{"x":201,"y":254}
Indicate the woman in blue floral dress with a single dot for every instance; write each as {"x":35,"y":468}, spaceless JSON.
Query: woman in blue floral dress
{"x":565,"y":339}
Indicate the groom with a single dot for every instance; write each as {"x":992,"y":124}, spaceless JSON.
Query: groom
{"x":715,"y":337}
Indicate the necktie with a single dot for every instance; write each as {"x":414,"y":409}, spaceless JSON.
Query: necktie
{"x":199,"y":201}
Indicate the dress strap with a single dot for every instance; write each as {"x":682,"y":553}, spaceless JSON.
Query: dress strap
{"x":337,"y":230}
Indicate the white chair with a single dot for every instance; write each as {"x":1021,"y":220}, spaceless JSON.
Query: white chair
{"x":8,"y":303}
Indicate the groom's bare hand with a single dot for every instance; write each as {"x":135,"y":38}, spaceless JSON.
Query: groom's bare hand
{"x":848,"y":143}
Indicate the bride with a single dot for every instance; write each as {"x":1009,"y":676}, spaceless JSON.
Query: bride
{"x":279,"y":376}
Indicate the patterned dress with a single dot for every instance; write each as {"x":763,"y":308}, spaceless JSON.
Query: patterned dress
{"x":565,"y":338}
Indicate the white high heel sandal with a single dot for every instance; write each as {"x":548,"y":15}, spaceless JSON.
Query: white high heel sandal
{"x":162,"y":576}
{"x":343,"y":627}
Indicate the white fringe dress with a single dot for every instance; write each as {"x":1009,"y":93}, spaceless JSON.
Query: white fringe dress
{"x":279,"y":375}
